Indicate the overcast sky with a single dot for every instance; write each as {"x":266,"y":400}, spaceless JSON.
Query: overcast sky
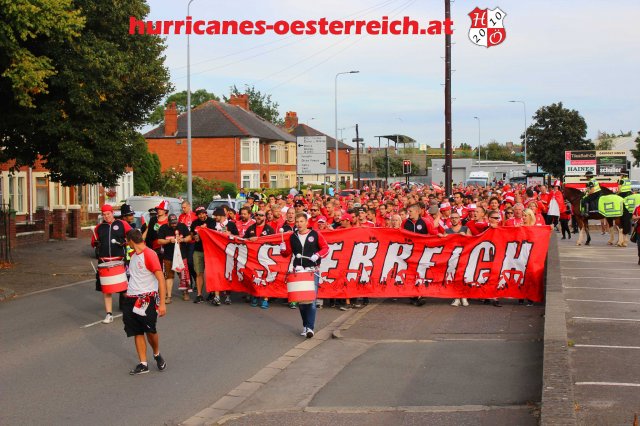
{"x":585,"y":54}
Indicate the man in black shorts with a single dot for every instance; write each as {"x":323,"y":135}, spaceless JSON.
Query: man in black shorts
{"x":145,"y":301}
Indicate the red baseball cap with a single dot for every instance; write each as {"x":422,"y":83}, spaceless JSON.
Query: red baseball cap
{"x":106,"y":208}
{"x":347,"y":216}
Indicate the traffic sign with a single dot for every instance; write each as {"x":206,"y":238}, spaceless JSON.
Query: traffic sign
{"x":312,"y":155}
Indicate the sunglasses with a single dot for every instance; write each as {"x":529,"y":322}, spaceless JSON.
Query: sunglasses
{"x":314,"y":210}
{"x":508,"y":212}
{"x":494,"y":217}
{"x":260,"y":214}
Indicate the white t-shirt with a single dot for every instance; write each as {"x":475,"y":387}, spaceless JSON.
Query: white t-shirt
{"x":142,"y":268}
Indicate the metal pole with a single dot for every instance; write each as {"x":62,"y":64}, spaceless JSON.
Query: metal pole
{"x":358,"y":156}
{"x":448,"y":158}
{"x":336,"y":123}
{"x":478,"y":141}
{"x":189,"y":169}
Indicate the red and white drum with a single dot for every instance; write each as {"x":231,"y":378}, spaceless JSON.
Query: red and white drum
{"x":301,"y":287}
{"x":113,"y":276}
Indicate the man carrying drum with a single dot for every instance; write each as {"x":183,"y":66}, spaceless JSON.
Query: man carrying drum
{"x":109,"y":238}
{"x":307,"y":247}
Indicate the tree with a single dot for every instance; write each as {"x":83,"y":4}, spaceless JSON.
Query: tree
{"x":180,"y":98}
{"x":259,"y":103}
{"x":146,"y":170}
{"x":395,"y":166}
{"x":105,"y":84}
{"x":604,"y":142}
{"x":24,"y":68}
{"x":636,"y":152}
{"x":495,"y":151}
{"x":465,"y":147}
{"x":554,"y":130}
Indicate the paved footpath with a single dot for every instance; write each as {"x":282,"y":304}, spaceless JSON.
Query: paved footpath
{"x":602,"y":293}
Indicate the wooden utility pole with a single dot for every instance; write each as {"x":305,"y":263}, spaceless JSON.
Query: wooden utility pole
{"x":357,"y":140}
{"x":448,"y":156}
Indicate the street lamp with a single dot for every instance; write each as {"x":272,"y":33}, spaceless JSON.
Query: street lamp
{"x":477,"y":118}
{"x":189,"y":170}
{"x":336,"y":121}
{"x":524,"y":106}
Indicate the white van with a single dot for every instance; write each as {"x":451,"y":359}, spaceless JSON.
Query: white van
{"x":140,"y":204}
{"x":478,"y":179}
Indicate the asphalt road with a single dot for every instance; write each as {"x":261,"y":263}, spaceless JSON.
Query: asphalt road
{"x":602,"y":291}
{"x":56,"y":371}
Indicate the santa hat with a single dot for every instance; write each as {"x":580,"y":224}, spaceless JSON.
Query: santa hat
{"x":445,"y":207}
{"x":557,"y":183}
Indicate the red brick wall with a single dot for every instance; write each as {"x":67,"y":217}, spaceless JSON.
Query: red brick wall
{"x":344,"y":159}
{"x":212,"y":158}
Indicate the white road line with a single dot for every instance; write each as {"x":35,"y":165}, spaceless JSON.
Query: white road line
{"x":594,"y":261}
{"x":604,"y":288}
{"x":606,"y":319}
{"x":57,"y":288}
{"x":635,"y":385}
{"x":99,"y":322}
{"x":600,"y":269}
{"x":602,"y":301}
{"x":606,"y":346}
{"x":601,"y":278}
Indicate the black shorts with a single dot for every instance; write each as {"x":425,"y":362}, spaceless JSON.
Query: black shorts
{"x":136,"y":325}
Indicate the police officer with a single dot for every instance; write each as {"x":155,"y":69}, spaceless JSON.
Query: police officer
{"x":624,"y":185}
{"x":593,"y":188}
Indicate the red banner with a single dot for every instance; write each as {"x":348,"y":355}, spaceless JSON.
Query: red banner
{"x":379,"y":262}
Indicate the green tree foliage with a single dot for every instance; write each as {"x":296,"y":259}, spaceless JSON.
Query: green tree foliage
{"x":180,"y":98}
{"x":259,"y":103}
{"x":604,"y":142}
{"x":554,"y":130}
{"x":465,"y":147}
{"x":24,"y":24}
{"x":395,"y":166}
{"x":173,"y":183}
{"x":636,"y":152}
{"x":498,"y":152}
{"x":146,"y":170}
{"x":104,"y":84}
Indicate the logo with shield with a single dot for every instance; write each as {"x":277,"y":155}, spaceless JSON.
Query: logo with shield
{"x":487,"y":27}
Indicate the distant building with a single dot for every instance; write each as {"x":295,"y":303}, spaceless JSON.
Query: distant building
{"x":229,"y":143}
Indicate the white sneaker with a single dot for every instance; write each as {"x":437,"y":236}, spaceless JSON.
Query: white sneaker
{"x":309,"y":333}
{"x":108,"y":319}
{"x":304,"y":332}
{"x":465,"y":302}
{"x":456,"y":302}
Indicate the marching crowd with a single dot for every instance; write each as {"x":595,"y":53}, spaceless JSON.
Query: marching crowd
{"x":422,"y":210}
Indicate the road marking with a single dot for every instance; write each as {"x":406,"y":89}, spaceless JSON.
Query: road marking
{"x":602,"y":301}
{"x":606,"y":319}
{"x":99,"y":322}
{"x":606,"y":346}
{"x":635,"y":385}
{"x":604,"y":288}
{"x":600,"y":269}
{"x":600,"y":278}
{"x":594,"y":261}
{"x":57,"y":288}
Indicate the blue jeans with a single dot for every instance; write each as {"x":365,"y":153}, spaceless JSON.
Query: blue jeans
{"x":308,"y":311}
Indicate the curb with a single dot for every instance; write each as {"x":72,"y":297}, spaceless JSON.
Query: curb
{"x":557,"y":384}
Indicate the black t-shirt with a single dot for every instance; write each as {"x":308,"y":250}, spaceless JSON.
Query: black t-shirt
{"x":167,"y":231}
{"x":207,"y":223}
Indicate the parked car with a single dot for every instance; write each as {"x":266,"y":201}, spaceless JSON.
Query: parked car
{"x":141,"y":204}
{"x":234,"y":203}
{"x":635,"y":185}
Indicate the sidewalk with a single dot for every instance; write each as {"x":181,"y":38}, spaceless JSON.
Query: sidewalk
{"x":47,"y":265}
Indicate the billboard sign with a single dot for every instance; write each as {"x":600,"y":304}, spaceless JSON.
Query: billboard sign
{"x":604,"y":163}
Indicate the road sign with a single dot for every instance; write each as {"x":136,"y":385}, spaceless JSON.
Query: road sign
{"x":603,"y":163}
{"x":312,"y":155}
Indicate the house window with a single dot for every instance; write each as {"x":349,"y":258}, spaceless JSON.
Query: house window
{"x":273,"y":181}
{"x":273,"y":154}
{"x":42,"y":192}
{"x":12,"y":200}
{"x":250,"y":179}
{"x":250,"y":151}
{"x":21,"y":190}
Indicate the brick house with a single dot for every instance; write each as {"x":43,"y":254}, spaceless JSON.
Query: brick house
{"x":228,"y":142}
{"x":345,"y":173}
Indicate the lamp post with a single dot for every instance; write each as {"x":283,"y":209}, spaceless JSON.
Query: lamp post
{"x":477,"y":118}
{"x":524,"y":106}
{"x":336,"y":121}
{"x":189,"y":170}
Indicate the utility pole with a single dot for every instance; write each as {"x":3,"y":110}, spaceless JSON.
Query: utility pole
{"x":357,"y":140}
{"x":448,"y":158}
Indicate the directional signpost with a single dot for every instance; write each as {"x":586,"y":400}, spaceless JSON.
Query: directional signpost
{"x":312,"y":155}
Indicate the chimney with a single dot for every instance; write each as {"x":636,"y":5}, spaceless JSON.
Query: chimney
{"x":290,"y":120}
{"x":241,"y":100}
{"x":171,"y":120}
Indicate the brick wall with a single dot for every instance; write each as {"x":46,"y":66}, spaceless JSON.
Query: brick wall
{"x":59,"y":223}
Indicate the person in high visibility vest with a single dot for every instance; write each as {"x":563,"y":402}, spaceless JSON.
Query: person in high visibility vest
{"x":593,"y":189}
{"x":624,"y":185}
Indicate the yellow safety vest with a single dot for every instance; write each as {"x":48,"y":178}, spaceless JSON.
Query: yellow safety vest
{"x":596,"y":185}
{"x":631,"y":202}
{"x":624,"y":185}
{"x":611,"y":205}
